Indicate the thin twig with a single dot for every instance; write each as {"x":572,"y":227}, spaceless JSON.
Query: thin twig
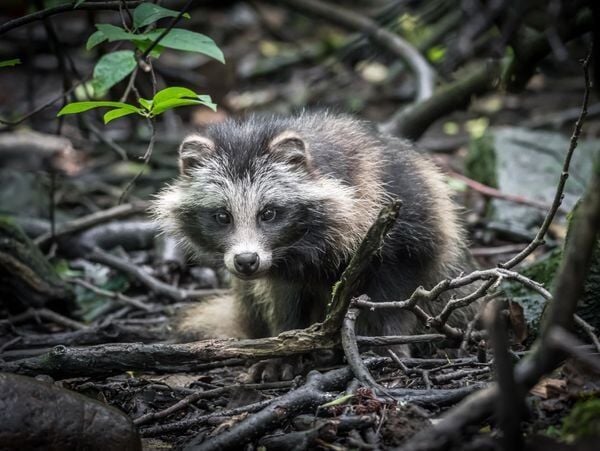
{"x":166,"y":31}
{"x":558,"y":196}
{"x":40,"y":15}
{"x":119,"y":150}
{"x":145,"y":158}
{"x":589,"y":330}
{"x":488,"y":191}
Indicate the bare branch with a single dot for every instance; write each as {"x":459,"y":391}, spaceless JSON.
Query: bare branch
{"x":40,"y":15}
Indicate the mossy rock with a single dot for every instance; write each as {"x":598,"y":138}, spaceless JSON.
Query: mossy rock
{"x":27,"y":279}
{"x":544,"y":272}
{"x":583,"y":421}
{"x":528,"y":163}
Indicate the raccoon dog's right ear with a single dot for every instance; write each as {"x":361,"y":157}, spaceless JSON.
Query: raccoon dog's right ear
{"x":192,"y":151}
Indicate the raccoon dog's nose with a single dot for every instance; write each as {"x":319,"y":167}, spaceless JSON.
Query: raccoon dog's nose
{"x":246,"y":263}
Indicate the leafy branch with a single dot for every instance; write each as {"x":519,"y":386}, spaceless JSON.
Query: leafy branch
{"x":164,"y":100}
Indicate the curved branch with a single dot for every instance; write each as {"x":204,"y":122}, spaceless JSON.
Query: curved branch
{"x":412,"y":121}
{"x":424,"y":74}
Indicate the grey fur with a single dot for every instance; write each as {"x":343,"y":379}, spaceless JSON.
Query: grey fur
{"x":327,"y":176}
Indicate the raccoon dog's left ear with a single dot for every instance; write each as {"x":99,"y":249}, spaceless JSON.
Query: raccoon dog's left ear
{"x":192,"y":151}
{"x":289,"y":147}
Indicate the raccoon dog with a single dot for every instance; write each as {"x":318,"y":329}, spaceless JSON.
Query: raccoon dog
{"x":284,"y":202}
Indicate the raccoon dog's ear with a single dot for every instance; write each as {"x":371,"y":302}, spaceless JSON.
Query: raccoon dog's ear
{"x":289,"y":147}
{"x":192,"y":151}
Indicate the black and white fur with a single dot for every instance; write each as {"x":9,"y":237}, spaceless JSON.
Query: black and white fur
{"x":326,"y":177}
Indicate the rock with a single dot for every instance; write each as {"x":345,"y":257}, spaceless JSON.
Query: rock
{"x":528,"y":163}
{"x":543,"y":271}
{"x":38,"y":415}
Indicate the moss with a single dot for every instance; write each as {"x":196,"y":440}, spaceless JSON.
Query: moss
{"x":544,"y":270}
{"x":481,"y":160}
{"x":25,"y":273}
{"x":583,"y":421}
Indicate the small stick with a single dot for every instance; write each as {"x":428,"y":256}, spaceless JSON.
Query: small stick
{"x":99,"y":256}
{"x":565,"y":341}
{"x":351,"y":350}
{"x":120,"y":297}
{"x":203,"y":395}
{"x":589,"y":330}
{"x":50,"y":316}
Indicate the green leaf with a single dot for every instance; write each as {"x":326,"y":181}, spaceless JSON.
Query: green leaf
{"x":436,"y":54}
{"x":147,"y":13}
{"x":86,"y":91}
{"x":175,"y":92}
{"x":77,"y":3}
{"x":145,"y":103}
{"x":174,"y":103}
{"x":95,"y":38}
{"x":115,"y":114}
{"x":337,"y":401}
{"x":189,"y":41}
{"x":143,"y":45}
{"x":79,"y":107}
{"x":112,"y":68}
{"x":114,"y":33}
{"x":9,"y":63}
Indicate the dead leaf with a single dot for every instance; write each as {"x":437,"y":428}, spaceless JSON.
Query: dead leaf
{"x":549,"y":388}
{"x":517,"y":322}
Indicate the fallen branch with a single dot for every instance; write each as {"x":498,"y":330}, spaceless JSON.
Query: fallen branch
{"x":115,"y":358}
{"x":345,"y":289}
{"x":351,"y":352}
{"x":91,"y":220}
{"x":49,"y":315}
{"x":99,"y":256}
{"x":412,"y":121}
{"x":207,"y":394}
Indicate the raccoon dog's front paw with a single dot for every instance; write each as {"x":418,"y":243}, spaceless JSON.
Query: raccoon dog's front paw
{"x":273,"y":370}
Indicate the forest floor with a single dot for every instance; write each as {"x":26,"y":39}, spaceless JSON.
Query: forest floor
{"x":279,"y":70}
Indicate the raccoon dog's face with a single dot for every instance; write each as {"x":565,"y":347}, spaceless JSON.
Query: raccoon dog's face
{"x":251,"y":202}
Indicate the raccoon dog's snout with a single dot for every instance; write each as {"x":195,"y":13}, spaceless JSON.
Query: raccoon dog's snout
{"x":246,"y":263}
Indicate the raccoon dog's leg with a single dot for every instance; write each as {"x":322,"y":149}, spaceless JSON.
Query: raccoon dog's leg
{"x":216,"y":317}
{"x":384,"y":286}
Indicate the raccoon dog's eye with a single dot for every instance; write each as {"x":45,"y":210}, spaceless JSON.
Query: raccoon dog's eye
{"x":268,"y":214}
{"x":223,"y":218}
